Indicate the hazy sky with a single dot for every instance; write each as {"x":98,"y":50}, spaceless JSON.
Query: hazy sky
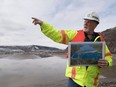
{"x":16,"y":26}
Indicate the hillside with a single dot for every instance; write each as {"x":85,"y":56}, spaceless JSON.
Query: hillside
{"x":42,"y":51}
{"x":109,"y":36}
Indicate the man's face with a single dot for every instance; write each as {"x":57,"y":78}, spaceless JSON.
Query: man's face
{"x":89,"y":25}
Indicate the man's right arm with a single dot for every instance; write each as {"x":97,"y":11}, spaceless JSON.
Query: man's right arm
{"x":51,"y":32}
{"x":60,"y":36}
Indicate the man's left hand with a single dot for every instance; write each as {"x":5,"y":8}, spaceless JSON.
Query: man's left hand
{"x":102,"y":63}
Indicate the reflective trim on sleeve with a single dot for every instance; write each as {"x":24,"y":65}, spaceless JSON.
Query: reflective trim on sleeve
{"x":96,"y":79}
{"x":73,"y":72}
{"x":108,"y":54}
{"x":63,"y":36}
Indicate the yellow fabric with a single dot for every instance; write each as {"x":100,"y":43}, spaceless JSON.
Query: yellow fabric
{"x":56,"y":35}
{"x":83,"y":76}
{"x":108,"y":58}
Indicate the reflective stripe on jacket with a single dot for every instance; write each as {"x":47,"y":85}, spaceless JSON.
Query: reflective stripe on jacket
{"x":79,"y":74}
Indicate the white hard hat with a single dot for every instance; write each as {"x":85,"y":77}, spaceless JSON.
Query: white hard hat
{"x":92,"y":16}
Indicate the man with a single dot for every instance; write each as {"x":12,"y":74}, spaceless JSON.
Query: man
{"x":79,"y":76}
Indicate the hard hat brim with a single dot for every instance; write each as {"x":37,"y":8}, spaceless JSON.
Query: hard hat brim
{"x":88,"y":18}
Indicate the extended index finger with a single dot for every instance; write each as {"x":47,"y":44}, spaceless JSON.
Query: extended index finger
{"x":34,"y":18}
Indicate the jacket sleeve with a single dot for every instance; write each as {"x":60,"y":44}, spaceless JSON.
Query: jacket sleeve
{"x":108,"y":56}
{"x":60,"y":36}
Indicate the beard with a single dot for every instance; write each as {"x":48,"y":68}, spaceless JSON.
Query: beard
{"x":88,"y":31}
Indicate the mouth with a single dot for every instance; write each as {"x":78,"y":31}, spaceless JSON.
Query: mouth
{"x":85,"y":27}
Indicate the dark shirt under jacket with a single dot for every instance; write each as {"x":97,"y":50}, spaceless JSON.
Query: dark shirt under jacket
{"x":94,"y":35}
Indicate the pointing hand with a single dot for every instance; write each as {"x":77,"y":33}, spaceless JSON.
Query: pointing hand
{"x":37,"y":21}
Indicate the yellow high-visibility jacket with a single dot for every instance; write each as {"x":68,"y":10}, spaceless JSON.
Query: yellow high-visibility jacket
{"x":82,"y":76}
